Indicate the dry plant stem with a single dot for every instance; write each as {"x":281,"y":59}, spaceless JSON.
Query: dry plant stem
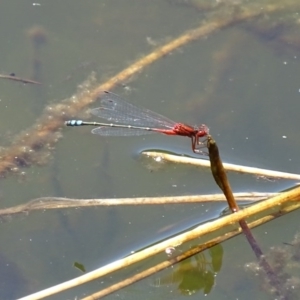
{"x":150,"y":271}
{"x":219,"y":173}
{"x":229,"y":167}
{"x":191,"y":252}
{"x":42,"y":136}
{"x":44,"y":203}
{"x":195,"y":233}
{"x":159,"y":267}
{"x":220,"y":177}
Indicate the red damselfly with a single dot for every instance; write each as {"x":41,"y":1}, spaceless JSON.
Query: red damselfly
{"x":130,"y":120}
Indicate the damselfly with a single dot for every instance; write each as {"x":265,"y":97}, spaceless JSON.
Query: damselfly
{"x":130,"y":120}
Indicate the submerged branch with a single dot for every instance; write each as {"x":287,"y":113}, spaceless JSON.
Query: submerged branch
{"x":41,"y":138}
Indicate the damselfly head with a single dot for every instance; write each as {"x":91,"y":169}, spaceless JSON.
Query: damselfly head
{"x":204,"y":129}
{"x":201,"y":130}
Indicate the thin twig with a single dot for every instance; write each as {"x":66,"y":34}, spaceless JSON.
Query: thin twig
{"x":229,"y":167}
{"x":44,"y":203}
{"x":15,"y":78}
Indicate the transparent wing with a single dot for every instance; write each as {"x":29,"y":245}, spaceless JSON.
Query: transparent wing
{"x":115,"y":131}
{"x":115,"y":109}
